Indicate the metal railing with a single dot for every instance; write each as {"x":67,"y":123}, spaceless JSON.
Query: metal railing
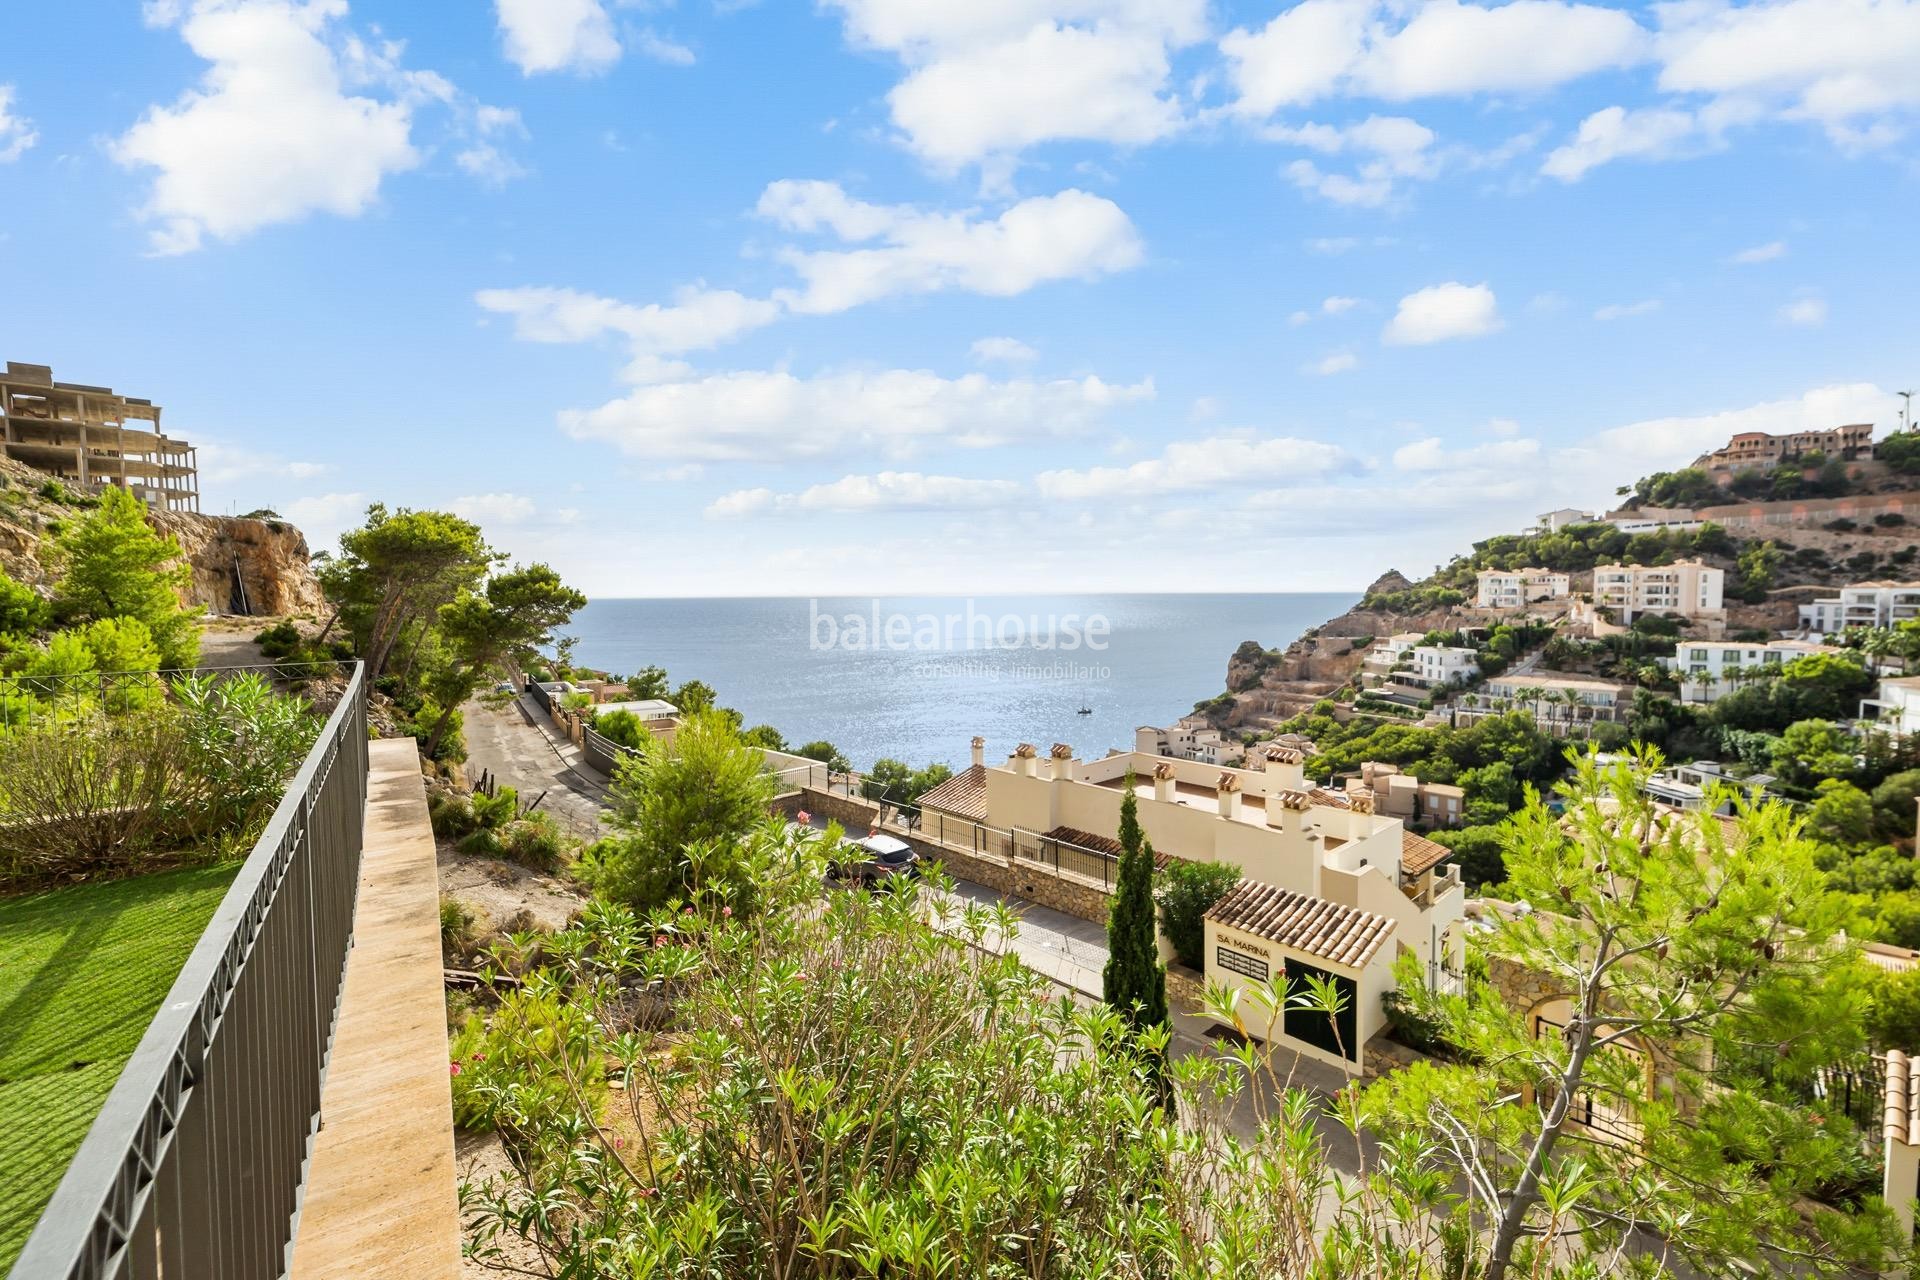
{"x":26,"y":699}
{"x":196,"y":1164}
{"x":1016,"y":845}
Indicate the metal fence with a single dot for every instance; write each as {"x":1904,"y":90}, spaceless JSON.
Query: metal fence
{"x":195,"y":1166}
{"x":1017,"y":845}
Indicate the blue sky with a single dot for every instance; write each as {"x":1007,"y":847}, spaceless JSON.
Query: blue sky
{"x":963,"y":295}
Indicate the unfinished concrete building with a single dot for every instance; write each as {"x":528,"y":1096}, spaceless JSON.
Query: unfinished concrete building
{"x":89,"y":437}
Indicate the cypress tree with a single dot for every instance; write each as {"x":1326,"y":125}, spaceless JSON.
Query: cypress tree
{"x":1134,"y":981}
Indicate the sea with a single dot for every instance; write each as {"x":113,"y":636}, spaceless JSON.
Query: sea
{"x":915,"y":678}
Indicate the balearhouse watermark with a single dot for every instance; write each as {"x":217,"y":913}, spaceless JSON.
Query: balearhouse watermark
{"x":896,"y":631}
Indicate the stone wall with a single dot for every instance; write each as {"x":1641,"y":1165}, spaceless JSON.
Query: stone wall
{"x":1520,"y":988}
{"x":1186,"y":989}
{"x":1382,"y":1056}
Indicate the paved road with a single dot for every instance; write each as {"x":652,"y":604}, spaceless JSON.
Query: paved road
{"x":518,"y":747}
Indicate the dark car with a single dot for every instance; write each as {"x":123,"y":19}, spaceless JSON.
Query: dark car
{"x":875,"y":860}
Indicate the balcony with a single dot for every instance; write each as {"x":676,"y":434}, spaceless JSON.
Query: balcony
{"x":286,"y":1110}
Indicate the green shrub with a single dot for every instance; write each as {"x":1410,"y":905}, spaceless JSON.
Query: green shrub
{"x":279,"y":640}
{"x":451,"y":814}
{"x":244,"y":742}
{"x":496,"y":810}
{"x":456,"y":929}
{"x":520,"y":1070}
{"x":1187,"y":890}
{"x":535,"y":841}
{"x":84,"y":798}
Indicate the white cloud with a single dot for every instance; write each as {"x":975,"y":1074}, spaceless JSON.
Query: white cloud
{"x":699,"y":318}
{"x":1442,"y":312}
{"x":1070,"y":235}
{"x":1224,"y":461}
{"x":493,"y":508}
{"x":1394,"y":146}
{"x":295,"y":116}
{"x":887,"y":491}
{"x":662,"y":49}
{"x":1623,"y":310}
{"x":1003,"y":351}
{"x":1431,"y":454}
{"x":223,"y":464}
{"x":1299,"y":318}
{"x":1769,"y":252}
{"x":1502,"y":428}
{"x":1845,"y":64}
{"x":1324,"y":48}
{"x":985,"y":81}
{"x":1670,"y":442}
{"x":557,"y":35}
{"x":761,"y":415}
{"x":324,"y":517}
{"x":1337,"y":305}
{"x":1642,"y":133}
{"x":16,"y":131}
{"x":1808,"y":313}
{"x":1337,"y":362}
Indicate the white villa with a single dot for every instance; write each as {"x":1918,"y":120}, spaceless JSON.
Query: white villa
{"x":1556,"y":702}
{"x":1377,"y":667}
{"x":1329,"y":883}
{"x":1555,"y":521}
{"x":1438,"y":664}
{"x":1895,"y":706}
{"x":1685,"y":588}
{"x":1705,"y":667}
{"x":1516,"y":588}
{"x":1864,"y":604}
{"x":1191,"y":738}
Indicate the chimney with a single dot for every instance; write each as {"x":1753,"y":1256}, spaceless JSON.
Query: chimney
{"x":1229,"y":790}
{"x":979,"y":751}
{"x":1163,"y":781}
{"x":1287,"y":810}
{"x":1023,"y":759}
{"x":1062,"y":755}
{"x":1284,"y":769}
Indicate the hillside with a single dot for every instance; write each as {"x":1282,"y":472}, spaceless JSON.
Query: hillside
{"x":240,"y":565}
{"x":1829,"y":526}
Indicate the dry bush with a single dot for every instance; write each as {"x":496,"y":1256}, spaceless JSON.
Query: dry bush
{"x":85,"y":797}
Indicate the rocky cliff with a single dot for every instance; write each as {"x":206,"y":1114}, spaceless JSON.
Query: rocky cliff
{"x":1272,"y":684}
{"x":258,"y":567}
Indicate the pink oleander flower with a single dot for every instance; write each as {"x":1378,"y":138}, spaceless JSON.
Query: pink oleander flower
{"x":619,"y":1142}
{"x":727,"y":912}
{"x":803,"y":976}
{"x":453,"y":1068}
{"x":647,"y":1193}
{"x":686,"y":911}
{"x":659,"y":939}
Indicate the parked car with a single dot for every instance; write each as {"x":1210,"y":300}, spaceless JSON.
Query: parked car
{"x":877,"y":859}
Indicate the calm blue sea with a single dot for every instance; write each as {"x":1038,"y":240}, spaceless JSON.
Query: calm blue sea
{"x":919,"y":685}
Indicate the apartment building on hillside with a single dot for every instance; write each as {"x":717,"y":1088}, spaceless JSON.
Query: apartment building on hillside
{"x":1555,"y":521}
{"x":1435,"y":665}
{"x":1558,"y":703}
{"x":1331,"y":886}
{"x":1516,"y":588}
{"x":1894,"y":706}
{"x":1685,"y":589}
{"x":1710,"y":669}
{"x":1864,"y":604}
{"x":90,"y":436}
{"x":1762,"y":449}
{"x":1189,"y":738}
{"x":1401,"y":795}
{"x":1378,"y":665}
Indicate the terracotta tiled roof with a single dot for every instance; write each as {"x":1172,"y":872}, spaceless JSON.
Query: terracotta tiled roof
{"x":1325,"y":930}
{"x":1085,"y":839}
{"x":964,"y":794}
{"x":1418,"y":854}
{"x":1330,"y":798}
{"x":1903,"y":1099}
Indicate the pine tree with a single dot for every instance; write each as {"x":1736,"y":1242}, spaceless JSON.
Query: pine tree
{"x":1134,"y":981}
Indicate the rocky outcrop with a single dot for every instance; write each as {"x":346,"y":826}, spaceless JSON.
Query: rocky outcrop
{"x":246,"y":566}
{"x":240,"y":565}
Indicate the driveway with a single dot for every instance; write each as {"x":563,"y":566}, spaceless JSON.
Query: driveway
{"x":516,"y":745}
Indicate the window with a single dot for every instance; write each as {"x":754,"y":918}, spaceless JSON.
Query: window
{"x":1241,"y":963}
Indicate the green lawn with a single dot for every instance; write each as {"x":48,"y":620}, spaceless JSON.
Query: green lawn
{"x":81,"y":972}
